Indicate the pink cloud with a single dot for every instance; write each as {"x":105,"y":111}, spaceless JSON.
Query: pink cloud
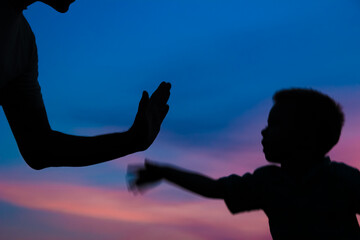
{"x":185,"y":218}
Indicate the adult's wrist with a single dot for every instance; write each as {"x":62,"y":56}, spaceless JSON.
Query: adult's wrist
{"x":132,"y":141}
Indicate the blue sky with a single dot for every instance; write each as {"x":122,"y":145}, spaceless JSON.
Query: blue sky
{"x":225,"y":59}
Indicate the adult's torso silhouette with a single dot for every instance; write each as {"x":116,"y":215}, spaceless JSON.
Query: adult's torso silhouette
{"x":18,"y":58}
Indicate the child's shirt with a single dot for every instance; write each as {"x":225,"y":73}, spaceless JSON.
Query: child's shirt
{"x":322,"y":204}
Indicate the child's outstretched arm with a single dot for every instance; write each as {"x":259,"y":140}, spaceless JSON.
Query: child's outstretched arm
{"x":144,"y":176}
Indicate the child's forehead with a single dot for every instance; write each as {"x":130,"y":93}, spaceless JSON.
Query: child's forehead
{"x":282,"y":111}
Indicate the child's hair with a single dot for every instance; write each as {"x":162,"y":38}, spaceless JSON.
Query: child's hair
{"x":316,"y":112}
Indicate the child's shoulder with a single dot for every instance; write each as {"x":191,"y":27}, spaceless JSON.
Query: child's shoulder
{"x":341,"y":165}
{"x":344,"y":171}
{"x":267,"y":171}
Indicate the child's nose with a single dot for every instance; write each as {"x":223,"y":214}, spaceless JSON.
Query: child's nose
{"x":263,"y":132}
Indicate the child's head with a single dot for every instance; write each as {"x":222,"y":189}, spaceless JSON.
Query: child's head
{"x":303,"y":123}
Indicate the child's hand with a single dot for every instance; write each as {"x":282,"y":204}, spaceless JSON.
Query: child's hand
{"x":141,"y":177}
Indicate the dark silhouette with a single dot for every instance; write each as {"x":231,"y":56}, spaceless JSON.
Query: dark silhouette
{"x":21,"y":99}
{"x":308,"y":197}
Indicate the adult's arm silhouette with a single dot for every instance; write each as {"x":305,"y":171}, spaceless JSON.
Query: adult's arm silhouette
{"x":43,"y":147}
{"x":142,"y":177}
{"x":21,"y":99}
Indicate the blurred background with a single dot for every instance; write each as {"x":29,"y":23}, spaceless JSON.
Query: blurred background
{"x":225,"y":60}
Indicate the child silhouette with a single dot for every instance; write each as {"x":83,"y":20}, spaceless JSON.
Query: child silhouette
{"x":21,"y":99}
{"x":308,"y":196}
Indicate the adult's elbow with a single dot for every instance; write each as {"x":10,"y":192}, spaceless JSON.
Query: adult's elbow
{"x":34,"y":160}
{"x":36,"y":166}
{"x":34,"y":149}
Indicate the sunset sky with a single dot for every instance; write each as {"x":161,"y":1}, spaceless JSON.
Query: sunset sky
{"x":225,"y":59}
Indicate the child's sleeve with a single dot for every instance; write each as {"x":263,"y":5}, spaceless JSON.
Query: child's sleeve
{"x":242,"y":193}
{"x":353,"y":182}
{"x":350,"y":180}
{"x":357,"y":190}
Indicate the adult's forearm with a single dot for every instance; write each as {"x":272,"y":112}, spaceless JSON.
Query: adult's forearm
{"x":56,"y":149}
{"x":42,"y":147}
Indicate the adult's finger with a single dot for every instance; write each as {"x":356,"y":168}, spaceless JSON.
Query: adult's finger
{"x":143,"y":101}
{"x":162,"y":114}
{"x":161,"y":94}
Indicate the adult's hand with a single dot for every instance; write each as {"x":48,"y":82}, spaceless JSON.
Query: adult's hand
{"x":150,"y":115}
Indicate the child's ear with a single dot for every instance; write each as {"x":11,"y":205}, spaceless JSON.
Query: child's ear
{"x":312,"y":142}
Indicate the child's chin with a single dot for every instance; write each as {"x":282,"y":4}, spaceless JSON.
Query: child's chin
{"x":272,"y":159}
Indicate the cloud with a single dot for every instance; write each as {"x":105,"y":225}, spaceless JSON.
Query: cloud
{"x":119,"y":206}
